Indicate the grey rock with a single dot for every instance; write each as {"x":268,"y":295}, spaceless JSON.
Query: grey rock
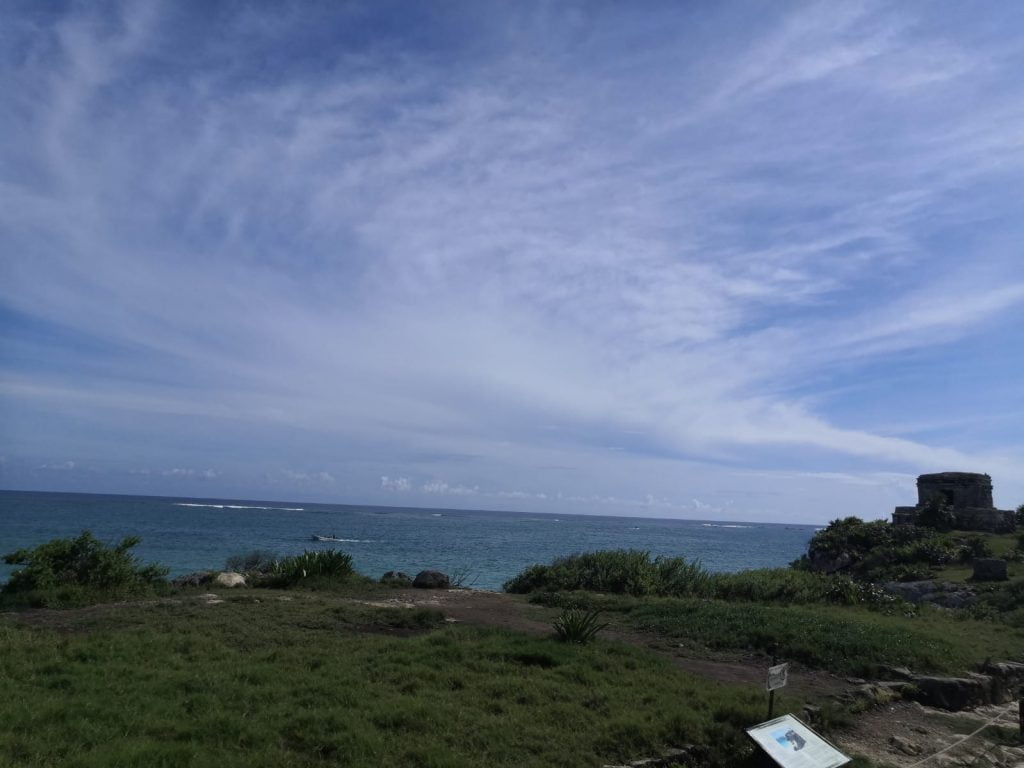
{"x":990,"y":569}
{"x":895,"y":673}
{"x":905,"y":746}
{"x":941,"y":593}
{"x":822,"y":562}
{"x":197,"y":579}
{"x":952,"y":693}
{"x":431,"y":580}
{"x":229,"y":579}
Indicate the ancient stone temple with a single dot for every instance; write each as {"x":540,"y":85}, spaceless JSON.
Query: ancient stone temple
{"x":968,"y":494}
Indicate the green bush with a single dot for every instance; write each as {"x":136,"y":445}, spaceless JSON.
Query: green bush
{"x":261,"y":561}
{"x":68,"y":572}
{"x":879,"y":551}
{"x":578,"y":626}
{"x":636,"y":574}
{"x":327,"y":565}
{"x":618,"y":571}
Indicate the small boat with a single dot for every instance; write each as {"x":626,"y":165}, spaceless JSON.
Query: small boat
{"x":317,"y":537}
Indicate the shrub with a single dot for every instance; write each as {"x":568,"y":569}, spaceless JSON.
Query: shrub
{"x":578,"y":626}
{"x":937,"y":514}
{"x":261,"y":561}
{"x":879,"y":551}
{"x":65,"y":572}
{"x":322,"y":565}
{"x":618,"y":571}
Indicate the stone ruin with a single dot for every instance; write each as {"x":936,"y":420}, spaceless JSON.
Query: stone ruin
{"x":967,"y":494}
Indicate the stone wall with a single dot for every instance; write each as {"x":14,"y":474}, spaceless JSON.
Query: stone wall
{"x":968,"y":494}
{"x":959,"y":489}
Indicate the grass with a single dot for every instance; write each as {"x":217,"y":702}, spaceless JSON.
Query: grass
{"x":258,"y":681}
{"x":843,"y":639}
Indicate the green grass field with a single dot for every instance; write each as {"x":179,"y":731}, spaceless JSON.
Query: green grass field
{"x":842,"y":639}
{"x":258,"y":681}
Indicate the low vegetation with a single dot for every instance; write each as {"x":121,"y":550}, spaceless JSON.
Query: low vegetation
{"x":311,"y":568}
{"x":636,"y":573}
{"x":844,"y":639}
{"x":71,"y":572}
{"x":879,"y":551}
{"x":256,"y":562}
{"x":315,"y":681}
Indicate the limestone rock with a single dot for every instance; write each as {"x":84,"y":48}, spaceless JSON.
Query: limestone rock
{"x":895,"y":673}
{"x":990,"y":569}
{"x":396,"y":578}
{"x":953,"y":693}
{"x":905,"y":746}
{"x":941,"y":593}
{"x":431,"y":580}
{"x":197,"y":579}
{"x":229,"y":579}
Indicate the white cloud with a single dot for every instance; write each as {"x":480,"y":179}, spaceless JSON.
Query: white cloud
{"x":442,"y":488}
{"x":419,"y":267}
{"x":394,"y":484}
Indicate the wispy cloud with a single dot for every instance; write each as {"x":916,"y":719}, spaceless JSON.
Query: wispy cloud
{"x":416,"y":265}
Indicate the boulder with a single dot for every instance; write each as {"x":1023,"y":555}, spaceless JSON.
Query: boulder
{"x":952,"y":693}
{"x":895,"y":673}
{"x":941,"y":593}
{"x":990,"y":569}
{"x":825,"y":562}
{"x":197,"y":579}
{"x":229,"y":579}
{"x":1007,"y":679}
{"x":396,"y":578}
{"x":904,"y":746}
{"x":431,"y":580}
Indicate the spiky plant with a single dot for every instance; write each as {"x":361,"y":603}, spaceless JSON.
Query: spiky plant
{"x":578,"y":626}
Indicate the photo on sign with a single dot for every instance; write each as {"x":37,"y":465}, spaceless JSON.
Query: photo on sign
{"x":787,"y":737}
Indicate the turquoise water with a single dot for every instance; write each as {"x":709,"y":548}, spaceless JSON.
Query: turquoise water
{"x":490,"y":547}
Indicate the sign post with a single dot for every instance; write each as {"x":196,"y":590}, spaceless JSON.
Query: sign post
{"x":778,"y":675}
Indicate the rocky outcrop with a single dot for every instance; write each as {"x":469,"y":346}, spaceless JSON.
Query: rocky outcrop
{"x":431,"y":580}
{"x":952,"y":693}
{"x":396,"y":579}
{"x":996,"y":684}
{"x":691,"y":755}
{"x":825,"y":562}
{"x":197,"y":579}
{"x":229,"y":579}
{"x":941,"y":593}
{"x":990,"y":569}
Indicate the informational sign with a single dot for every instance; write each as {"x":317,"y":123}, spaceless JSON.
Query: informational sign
{"x":792,"y":744}
{"x":777,"y":676}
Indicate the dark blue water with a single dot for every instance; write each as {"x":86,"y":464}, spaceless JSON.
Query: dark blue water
{"x":491,"y":547}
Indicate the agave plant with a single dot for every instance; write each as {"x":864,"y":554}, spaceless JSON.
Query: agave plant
{"x":325,"y":563}
{"x":578,"y":626}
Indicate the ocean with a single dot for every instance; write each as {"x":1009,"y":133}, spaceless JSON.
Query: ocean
{"x":485,"y":548}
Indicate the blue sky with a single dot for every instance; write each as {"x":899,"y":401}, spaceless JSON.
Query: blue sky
{"x":755,"y":261}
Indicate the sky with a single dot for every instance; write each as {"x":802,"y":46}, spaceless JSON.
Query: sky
{"x":738,"y":260}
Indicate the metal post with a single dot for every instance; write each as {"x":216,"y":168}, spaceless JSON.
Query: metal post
{"x":1020,"y":714}
{"x":771,"y":693}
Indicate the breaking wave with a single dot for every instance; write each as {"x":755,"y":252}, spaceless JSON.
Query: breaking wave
{"x":236,"y":506}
